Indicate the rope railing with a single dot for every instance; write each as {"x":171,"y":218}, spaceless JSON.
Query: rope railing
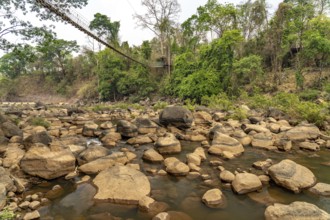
{"x":80,"y":22}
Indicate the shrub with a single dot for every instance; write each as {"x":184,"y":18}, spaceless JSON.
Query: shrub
{"x":160,"y":105}
{"x":238,"y":114}
{"x":309,"y":95}
{"x":37,"y":121}
{"x":7,"y":214}
{"x":220,"y":102}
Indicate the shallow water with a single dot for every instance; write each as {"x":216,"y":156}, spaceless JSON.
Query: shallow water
{"x":182,"y":194}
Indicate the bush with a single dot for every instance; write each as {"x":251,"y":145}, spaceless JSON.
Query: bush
{"x":6,"y":214}
{"x":220,"y":102}
{"x":37,"y":121}
{"x":238,"y":114}
{"x":199,"y":84}
{"x":160,"y":105}
{"x":309,"y":95}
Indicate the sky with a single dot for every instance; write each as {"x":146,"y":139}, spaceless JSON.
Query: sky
{"x":123,"y":11}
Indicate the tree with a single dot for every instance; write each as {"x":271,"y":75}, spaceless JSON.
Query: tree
{"x":12,"y":25}
{"x":146,"y":49}
{"x":160,"y":17}
{"x":17,"y":62}
{"x":54,"y":54}
{"x":105,"y":28}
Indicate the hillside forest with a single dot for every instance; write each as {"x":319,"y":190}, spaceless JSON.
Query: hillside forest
{"x":221,"y":56}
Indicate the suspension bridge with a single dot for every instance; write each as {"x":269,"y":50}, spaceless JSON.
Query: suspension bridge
{"x":78,"y":21}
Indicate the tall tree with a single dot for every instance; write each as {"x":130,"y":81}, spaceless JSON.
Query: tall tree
{"x":11,"y":24}
{"x":105,"y":28}
{"x":160,"y":17}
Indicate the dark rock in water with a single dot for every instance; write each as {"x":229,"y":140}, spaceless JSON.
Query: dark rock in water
{"x":9,"y":130}
{"x":127,"y":129}
{"x":176,"y":116}
{"x":40,"y":137}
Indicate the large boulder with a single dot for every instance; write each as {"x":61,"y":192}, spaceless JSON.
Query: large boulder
{"x":263,"y":140}
{"x":9,"y":130}
{"x":111,"y":139}
{"x":92,"y":153}
{"x":3,"y":196}
{"x":176,"y":116}
{"x":49,"y":164}
{"x":222,"y":142}
{"x":202,"y":118}
{"x":146,"y":126}
{"x":153,"y":156}
{"x":303,"y":132}
{"x":176,"y":167}
{"x":292,"y":176}
{"x":89,"y":129}
{"x":121,"y":184}
{"x":168,"y":144}
{"x":127,"y":129}
{"x":141,"y":139}
{"x":295,"y":211}
{"x":322,"y":189}
{"x":13,"y":156}
{"x":103,"y":163}
{"x":214,"y":198}
{"x":246,"y":182}
{"x":39,"y":137}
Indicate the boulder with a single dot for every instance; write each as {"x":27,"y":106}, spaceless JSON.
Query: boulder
{"x":3,"y":196}
{"x":141,"y":139}
{"x":222,"y":142}
{"x":127,"y":129}
{"x":245,"y":183}
{"x":176,"y":167}
{"x":214,"y":198}
{"x":303,"y":132}
{"x":295,"y":211}
{"x":202,"y":118}
{"x":243,"y":138}
{"x":110,"y":139}
{"x":172,"y":215}
{"x":13,"y":156}
{"x":121,"y":185}
{"x":32,"y":215}
{"x":92,"y":153}
{"x":309,"y":146}
{"x":39,"y":137}
{"x":263,"y":140}
{"x":176,"y":116}
{"x":227,"y":176}
{"x":321,"y":189}
{"x":89,"y":129}
{"x":292,"y":176}
{"x":168,"y":144}
{"x":146,"y":126}
{"x":9,"y":130}
{"x":247,"y":128}
{"x":153,"y":156}
{"x":41,"y":161}
{"x":103,"y":163}
{"x":149,"y":205}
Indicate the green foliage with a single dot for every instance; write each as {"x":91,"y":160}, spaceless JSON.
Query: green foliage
{"x":7,"y":214}
{"x":220,"y":102}
{"x":189,"y":104}
{"x":238,"y":114}
{"x":309,"y":95}
{"x":105,"y":28}
{"x":159,"y":105}
{"x":37,"y":121}
{"x":247,"y":70}
{"x":199,"y":84}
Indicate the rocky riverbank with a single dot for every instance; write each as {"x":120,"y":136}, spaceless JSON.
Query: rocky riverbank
{"x":115,"y":155}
